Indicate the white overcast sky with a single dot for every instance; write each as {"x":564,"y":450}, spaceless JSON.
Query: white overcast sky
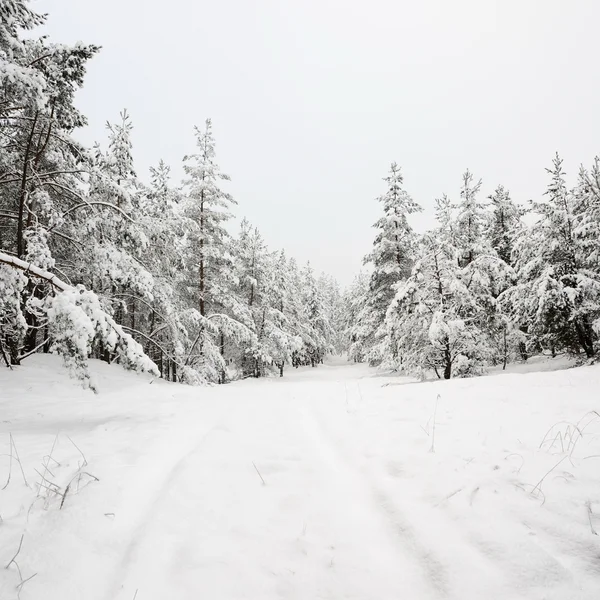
{"x":312,"y":99}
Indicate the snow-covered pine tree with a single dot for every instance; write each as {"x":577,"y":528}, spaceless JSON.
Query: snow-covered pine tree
{"x":445,"y":219}
{"x":484,"y":271}
{"x":252,"y":264}
{"x":354,"y":299}
{"x":586,"y":208}
{"x":119,"y":241}
{"x":470,"y":222}
{"x":209,"y":207}
{"x":282,"y":331}
{"x":505,"y":224}
{"x":210,"y":283}
{"x":315,"y":329}
{"x":432,"y":321}
{"x":391,"y":262}
{"x":159,"y":320}
{"x":334,"y":310}
{"x":557,"y":296}
{"x":40,"y":164}
{"x":42,"y":181}
{"x":587,"y":227}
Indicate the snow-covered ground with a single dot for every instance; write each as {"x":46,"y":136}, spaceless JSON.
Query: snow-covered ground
{"x":333,"y":482}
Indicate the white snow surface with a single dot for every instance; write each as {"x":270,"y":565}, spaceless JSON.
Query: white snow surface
{"x":354,"y":504}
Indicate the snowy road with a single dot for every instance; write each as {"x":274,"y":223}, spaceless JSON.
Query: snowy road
{"x":353,"y":505}
{"x":314,"y":529}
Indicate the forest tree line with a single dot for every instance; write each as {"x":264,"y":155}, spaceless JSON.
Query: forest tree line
{"x":96,"y":262}
{"x":99,"y":261}
{"x":492,"y":282}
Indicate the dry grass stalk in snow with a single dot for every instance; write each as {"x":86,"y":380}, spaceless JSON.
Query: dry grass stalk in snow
{"x":14,"y":455}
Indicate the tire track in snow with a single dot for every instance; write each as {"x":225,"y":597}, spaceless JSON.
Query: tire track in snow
{"x":171,"y":471}
{"x":474,"y":576}
{"x":347,"y":552}
{"x":411,"y":554}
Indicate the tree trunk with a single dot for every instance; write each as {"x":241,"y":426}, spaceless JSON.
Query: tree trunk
{"x":447,"y":362}
{"x":23,"y":192}
{"x":14,"y":350}
{"x":30,"y":341}
{"x":202,"y":273}
{"x":523,"y":351}
{"x":46,"y":347}
{"x":585,"y":336}
{"x":202,"y":282}
{"x":4,"y":356}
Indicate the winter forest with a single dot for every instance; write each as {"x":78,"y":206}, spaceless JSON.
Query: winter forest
{"x":98,"y":260}
{"x":207,"y":391}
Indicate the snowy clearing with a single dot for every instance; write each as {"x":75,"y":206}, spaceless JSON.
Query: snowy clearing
{"x":354,"y":504}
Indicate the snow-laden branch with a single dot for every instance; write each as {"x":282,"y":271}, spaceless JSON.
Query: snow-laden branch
{"x":98,"y":203}
{"x":77,"y":323}
{"x":26,"y":267}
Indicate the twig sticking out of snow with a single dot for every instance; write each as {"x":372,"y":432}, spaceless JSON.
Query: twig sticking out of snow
{"x":570,"y":430}
{"x":45,"y":465}
{"x":538,"y":485}
{"x":12,"y":560}
{"x":69,"y":485}
{"x":46,"y":483}
{"x":446,"y":498}
{"x":85,"y":462}
{"x":573,"y":432}
{"x":23,"y":582}
{"x":64,"y":496}
{"x":261,"y":477}
{"x":432,"y":449}
{"x":15,"y":456}
{"x":53,"y":490}
{"x":593,"y":415}
{"x":590,"y":513}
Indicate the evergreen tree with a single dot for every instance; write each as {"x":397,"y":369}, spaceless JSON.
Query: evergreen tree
{"x":354,"y":300}
{"x":391,"y":261}
{"x":557,"y":297}
{"x":432,"y":320}
{"x":470,"y":222}
{"x":316,"y":331}
{"x":208,"y":208}
{"x":505,"y":224}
